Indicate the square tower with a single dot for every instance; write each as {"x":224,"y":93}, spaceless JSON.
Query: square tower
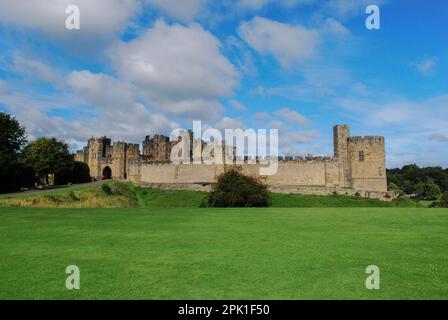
{"x":341,"y":135}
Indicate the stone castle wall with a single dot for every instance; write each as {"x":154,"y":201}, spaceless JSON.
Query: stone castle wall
{"x":358,"y":164}
{"x":312,"y":173}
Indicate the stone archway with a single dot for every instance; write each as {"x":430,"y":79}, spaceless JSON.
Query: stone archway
{"x":107,"y":173}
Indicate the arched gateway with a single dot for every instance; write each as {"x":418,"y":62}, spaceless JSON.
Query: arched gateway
{"x":107,"y":173}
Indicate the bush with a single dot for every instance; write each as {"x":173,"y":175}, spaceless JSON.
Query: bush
{"x":106,"y":189}
{"x":393,"y":187}
{"x":442,"y":203}
{"x":234,"y":189}
{"x":427,"y":190}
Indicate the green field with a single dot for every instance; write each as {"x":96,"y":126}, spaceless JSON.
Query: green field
{"x":181,"y":253}
{"x":127,"y":195}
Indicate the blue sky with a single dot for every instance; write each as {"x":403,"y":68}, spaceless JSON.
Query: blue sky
{"x":139,"y":67}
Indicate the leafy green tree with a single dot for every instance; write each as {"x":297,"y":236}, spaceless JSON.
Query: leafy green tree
{"x":12,"y":139}
{"x":81,"y":172}
{"x":432,"y":190}
{"x":13,"y":174}
{"x":48,"y":156}
{"x":234,"y":189}
{"x":444,"y":200}
{"x":413,"y":180}
{"x":427,"y":190}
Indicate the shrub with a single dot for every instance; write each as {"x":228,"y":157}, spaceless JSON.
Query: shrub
{"x":393,"y":187}
{"x":73,"y":196}
{"x":106,"y":189}
{"x":442,"y":203}
{"x":234,"y":189}
{"x":427,"y":190}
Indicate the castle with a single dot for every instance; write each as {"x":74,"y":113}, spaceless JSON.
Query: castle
{"x":357,"y":166}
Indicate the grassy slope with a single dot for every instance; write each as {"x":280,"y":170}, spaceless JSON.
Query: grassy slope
{"x":224,"y":253}
{"x":93,"y":197}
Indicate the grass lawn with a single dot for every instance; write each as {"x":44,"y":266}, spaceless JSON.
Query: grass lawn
{"x":272,"y":253}
{"x":127,"y":195}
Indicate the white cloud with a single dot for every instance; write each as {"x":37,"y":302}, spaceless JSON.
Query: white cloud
{"x":229,"y":123}
{"x":413,"y":129}
{"x":287,"y":43}
{"x":176,"y":66}
{"x":98,"y":18}
{"x":185,"y":10}
{"x":192,"y":109}
{"x":3,"y":86}
{"x":293,"y":116}
{"x":345,"y":9}
{"x":238,"y":105}
{"x":333,"y":27}
{"x":87,"y":117}
{"x":34,"y":69}
{"x":102,"y":90}
{"x":254,"y":5}
{"x":426,"y":66}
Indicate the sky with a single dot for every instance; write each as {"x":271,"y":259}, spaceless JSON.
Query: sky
{"x":141,"y":67}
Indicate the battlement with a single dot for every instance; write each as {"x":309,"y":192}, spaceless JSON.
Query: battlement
{"x":367,"y":139}
{"x":358,"y":163}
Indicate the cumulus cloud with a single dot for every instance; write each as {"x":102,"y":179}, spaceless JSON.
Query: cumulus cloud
{"x":287,"y":43}
{"x":346,"y":9}
{"x":185,"y":10}
{"x":102,"y":90}
{"x":238,"y":105}
{"x":35,"y":69}
{"x":85,"y":119}
{"x":292,"y":116}
{"x":229,"y":123}
{"x":175,"y":66}
{"x":405,"y":122}
{"x":98,"y":18}
{"x":259,"y":4}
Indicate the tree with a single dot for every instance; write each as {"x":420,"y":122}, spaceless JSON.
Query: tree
{"x":414,"y":180}
{"x":48,"y":156}
{"x":13,"y":174}
{"x":81,"y":172}
{"x":444,"y":200}
{"x":427,"y":190}
{"x":234,"y":189}
{"x":12,"y":138}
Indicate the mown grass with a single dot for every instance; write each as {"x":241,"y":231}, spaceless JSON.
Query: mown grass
{"x":270,"y":253}
{"x":127,"y":195}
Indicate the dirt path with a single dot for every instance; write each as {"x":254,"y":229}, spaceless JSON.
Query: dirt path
{"x":55,"y":190}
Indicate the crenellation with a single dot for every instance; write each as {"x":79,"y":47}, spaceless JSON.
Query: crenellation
{"x":358,"y":164}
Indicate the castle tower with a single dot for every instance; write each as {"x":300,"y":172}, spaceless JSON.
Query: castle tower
{"x":94,"y":160}
{"x":367,"y":163}
{"x":119,"y":160}
{"x":157,"y":148}
{"x":341,"y":134}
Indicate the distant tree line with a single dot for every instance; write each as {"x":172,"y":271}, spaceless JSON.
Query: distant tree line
{"x":23,"y":164}
{"x":429,"y":183}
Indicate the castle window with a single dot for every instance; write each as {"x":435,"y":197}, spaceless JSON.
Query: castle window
{"x":361,"y":155}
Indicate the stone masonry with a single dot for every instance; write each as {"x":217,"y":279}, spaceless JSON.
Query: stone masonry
{"x":357,"y":166}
